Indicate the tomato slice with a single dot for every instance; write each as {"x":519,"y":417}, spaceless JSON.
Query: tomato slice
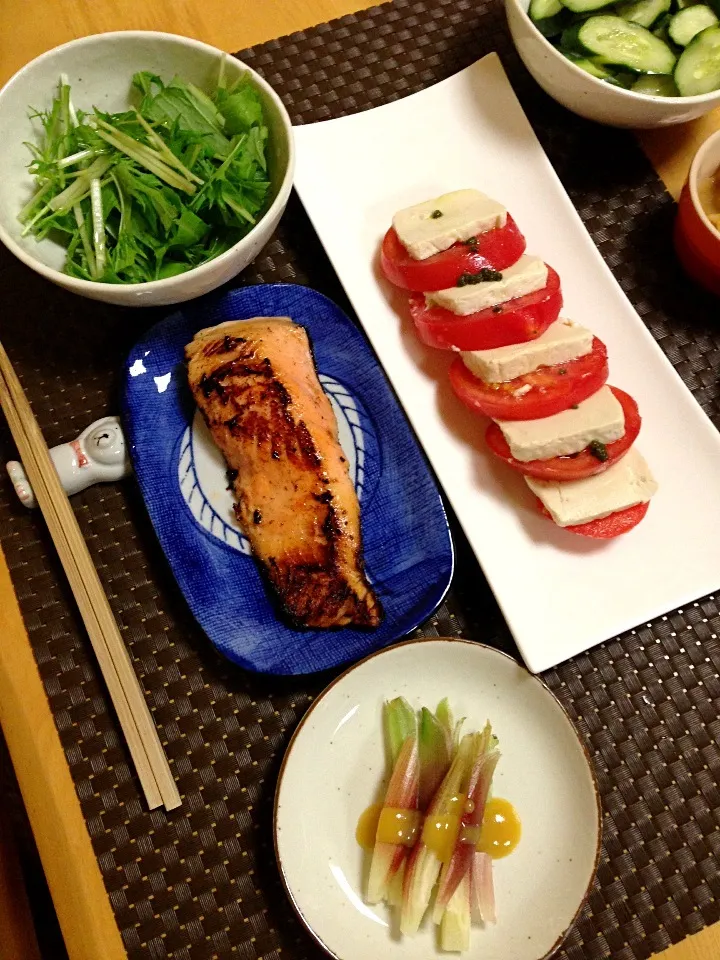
{"x":514,"y":321}
{"x":552,"y":389}
{"x":607,"y":528}
{"x":498,"y":249}
{"x":577,"y":465}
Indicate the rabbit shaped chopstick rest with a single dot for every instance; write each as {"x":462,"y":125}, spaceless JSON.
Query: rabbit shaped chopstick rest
{"x":98,"y":455}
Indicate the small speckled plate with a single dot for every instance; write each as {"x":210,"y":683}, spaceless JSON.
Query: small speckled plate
{"x":336,"y":761}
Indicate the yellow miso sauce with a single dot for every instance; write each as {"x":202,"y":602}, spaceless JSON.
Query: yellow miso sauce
{"x":367,"y":825}
{"x":498,"y":836}
{"x":387,"y":825}
{"x":440,"y":834}
{"x":501,"y":828}
{"x":709,"y":196}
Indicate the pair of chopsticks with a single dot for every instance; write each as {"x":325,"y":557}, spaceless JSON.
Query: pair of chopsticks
{"x":125,"y":692}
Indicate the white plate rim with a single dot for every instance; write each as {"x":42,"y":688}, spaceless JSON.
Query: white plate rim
{"x":379,"y":653}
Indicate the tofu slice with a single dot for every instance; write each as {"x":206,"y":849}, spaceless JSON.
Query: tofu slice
{"x":625,"y":484}
{"x":562,"y":341}
{"x":526,"y":275}
{"x":600,"y":417}
{"x":433,"y":226}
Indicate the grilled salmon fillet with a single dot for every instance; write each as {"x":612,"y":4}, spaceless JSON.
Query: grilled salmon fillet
{"x":256,"y":385}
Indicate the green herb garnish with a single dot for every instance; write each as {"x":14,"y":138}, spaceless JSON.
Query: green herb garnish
{"x":156,"y":190}
{"x":436,"y":214}
{"x":471,"y":242}
{"x":598,"y":450}
{"x":486,"y":275}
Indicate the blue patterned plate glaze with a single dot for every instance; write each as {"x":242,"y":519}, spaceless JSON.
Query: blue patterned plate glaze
{"x":408,"y":550}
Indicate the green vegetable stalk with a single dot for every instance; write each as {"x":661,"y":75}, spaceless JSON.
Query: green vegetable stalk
{"x":156,"y":190}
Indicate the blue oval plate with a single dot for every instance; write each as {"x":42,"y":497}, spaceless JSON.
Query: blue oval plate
{"x":407,"y":545}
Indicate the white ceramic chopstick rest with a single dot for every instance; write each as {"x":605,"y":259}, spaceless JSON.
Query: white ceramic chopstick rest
{"x":98,"y":455}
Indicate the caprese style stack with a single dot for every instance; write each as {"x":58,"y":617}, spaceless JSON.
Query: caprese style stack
{"x":541,"y":378}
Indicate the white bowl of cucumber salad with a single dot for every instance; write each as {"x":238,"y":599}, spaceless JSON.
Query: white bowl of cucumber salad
{"x":633,"y":63}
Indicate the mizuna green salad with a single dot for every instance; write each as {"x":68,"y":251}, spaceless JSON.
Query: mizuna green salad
{"x":664,"y":48}
{"x":156,"y":190}
{"x":437,"y":830}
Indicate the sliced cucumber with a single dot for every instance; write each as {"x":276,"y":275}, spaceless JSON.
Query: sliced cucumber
{"x":570,"y":45}
{"x":591,"y":67}
{"x":660,"y":48}
{"x":586,"y":6}
{"x":552,"y":27}
{"x":625,"y":78}
{"x":575,"y":19}
{"x":644,"y":12}
{"x":542,"y":9}
{"x":624,"y":44}
{"x":549,"y":16}
{"x":659,"y":28}
{"x":596,"y":68}
{"x":656,"y":85}
{"x":698,"y":67}
{"x":690,"y":22}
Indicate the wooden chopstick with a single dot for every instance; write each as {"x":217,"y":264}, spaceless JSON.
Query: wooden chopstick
{"x":135,"y":718}
{"x":114,"y":660}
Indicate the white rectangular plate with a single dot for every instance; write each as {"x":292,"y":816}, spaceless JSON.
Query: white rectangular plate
{"x":560,"y":593}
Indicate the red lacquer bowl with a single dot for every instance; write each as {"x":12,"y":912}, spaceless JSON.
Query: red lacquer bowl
{"x":697,"y":241}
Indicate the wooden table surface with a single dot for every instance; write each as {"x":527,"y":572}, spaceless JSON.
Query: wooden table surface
{"x":29,"y":28}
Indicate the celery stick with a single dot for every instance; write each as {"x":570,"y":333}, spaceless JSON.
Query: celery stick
{"x":445,"y":719}
{"x":424,"y":865}
{"x":435,"y":751}
{"x":478,"y":788}
{"x":482,"y":892}
{"x":401,"y":794}
{"x":455,"y":925}
{"x":400,"y":723}
{"x":395,"y":887}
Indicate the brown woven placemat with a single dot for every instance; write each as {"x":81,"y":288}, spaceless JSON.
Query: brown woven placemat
{"x":201,"y":882}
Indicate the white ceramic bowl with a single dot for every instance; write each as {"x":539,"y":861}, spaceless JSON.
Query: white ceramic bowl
{"x":100,"y":70}
{"x":336,"y":762}
{"x":588,"y":96}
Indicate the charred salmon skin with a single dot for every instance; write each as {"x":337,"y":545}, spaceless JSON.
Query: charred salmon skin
{"x":256,"y":386}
